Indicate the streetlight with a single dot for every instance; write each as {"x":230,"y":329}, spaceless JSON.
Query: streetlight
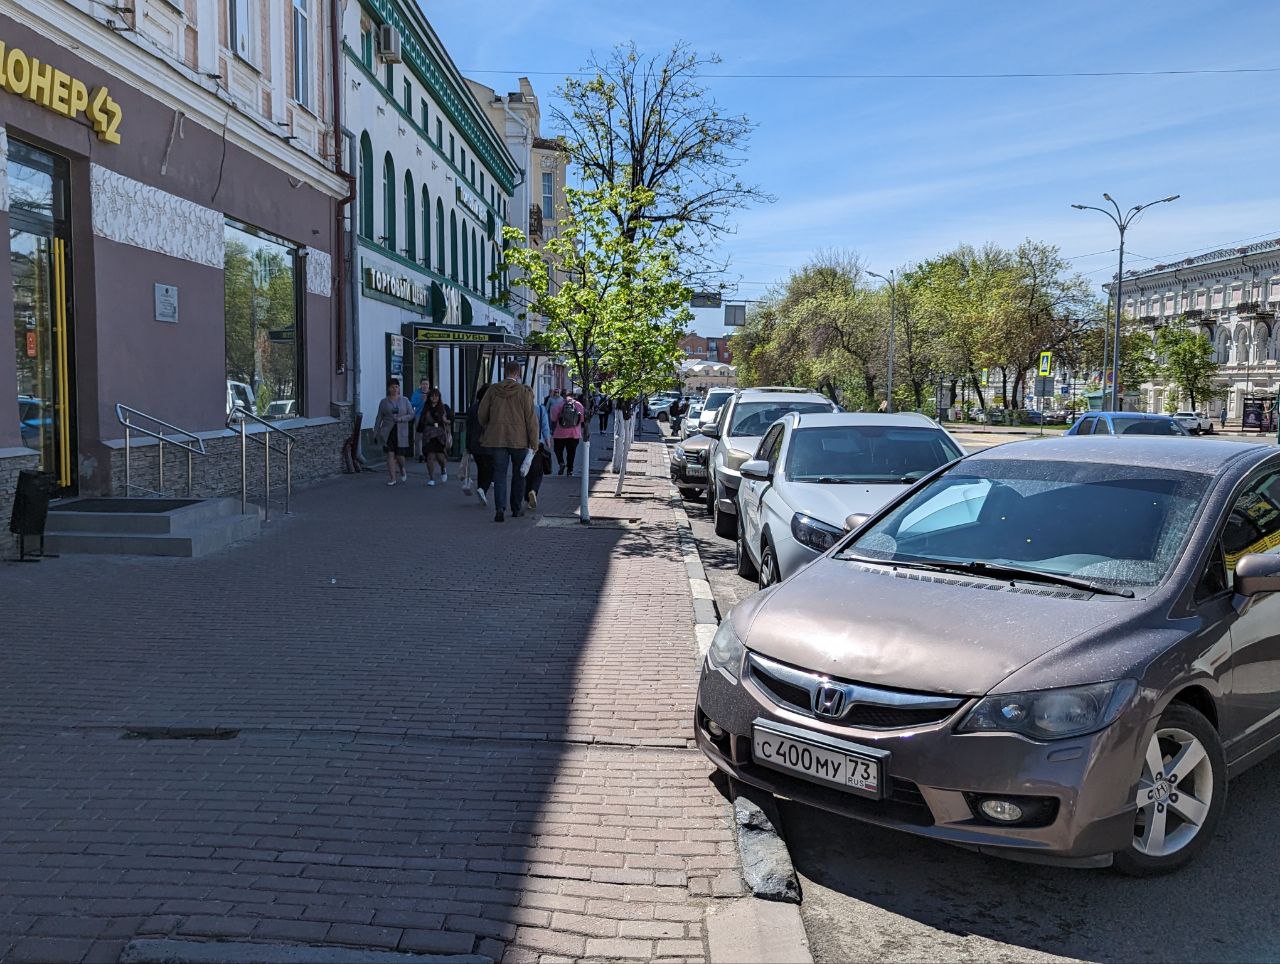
{"x":1122,"y":222}
{"x":893,"y":310}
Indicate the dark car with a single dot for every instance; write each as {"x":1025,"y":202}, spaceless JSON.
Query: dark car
{"x":689,"y":464}
{"x":1052,"y":650}
{"x":1126,"y":423}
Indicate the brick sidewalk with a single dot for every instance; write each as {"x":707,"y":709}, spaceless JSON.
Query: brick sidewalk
{"x":454,"y":737}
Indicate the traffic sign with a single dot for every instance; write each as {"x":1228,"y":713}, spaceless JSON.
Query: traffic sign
{"x":1046,"y":364}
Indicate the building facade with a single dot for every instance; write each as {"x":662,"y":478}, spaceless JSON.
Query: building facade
{"x":168,"y":197}
{"x":434,"y":184}
{"x":538,"y":198}
{"x":1232,"y":296}
{"x":712,"y":349}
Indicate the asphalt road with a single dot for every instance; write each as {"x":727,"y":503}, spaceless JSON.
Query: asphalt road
{"x":874,"y":894}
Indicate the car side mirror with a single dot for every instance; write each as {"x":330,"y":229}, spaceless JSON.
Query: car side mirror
{"x":757,"y":469}
{"x":1257,"y":573}
{"x":855,"y":521}
{"x":711,"y":430}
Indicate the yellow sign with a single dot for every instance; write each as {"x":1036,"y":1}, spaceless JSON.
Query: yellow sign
{"x":1046,"y":364}
{"x":59,"y":92}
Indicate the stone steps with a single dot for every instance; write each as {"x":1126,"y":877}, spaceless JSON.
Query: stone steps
{"x":179,"y":528}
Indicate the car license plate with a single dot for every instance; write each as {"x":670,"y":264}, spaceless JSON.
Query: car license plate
{"x":841,"y":768}
{"x":695,"y":472}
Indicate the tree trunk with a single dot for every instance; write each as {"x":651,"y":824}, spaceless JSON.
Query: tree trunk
{"x":977,"y":390}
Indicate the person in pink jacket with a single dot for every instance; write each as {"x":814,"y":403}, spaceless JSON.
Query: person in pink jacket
{"x":567,"y":416}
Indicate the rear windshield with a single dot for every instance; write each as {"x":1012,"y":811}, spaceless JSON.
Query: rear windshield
{"x":1116,"y":524}
{"x":715,"y":401}
{"x":753,"y":418}
{"x":1145,"y":426}
{"x":867,"y":453}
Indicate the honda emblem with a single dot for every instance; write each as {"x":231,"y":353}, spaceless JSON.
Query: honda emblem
{"x":829,"y":700}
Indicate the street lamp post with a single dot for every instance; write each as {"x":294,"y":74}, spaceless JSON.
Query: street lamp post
{"x":1122,"y":222}
{"x":893,"y":314}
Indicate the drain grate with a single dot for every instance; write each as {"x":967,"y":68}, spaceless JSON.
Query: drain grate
{"x":180,"y":733}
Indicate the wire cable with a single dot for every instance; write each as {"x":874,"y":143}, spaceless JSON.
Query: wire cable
{"x":1009,"y":75}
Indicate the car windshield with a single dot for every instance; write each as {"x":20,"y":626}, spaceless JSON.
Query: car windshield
{"x":753,"y":418}
{"x":867,"y":453}
{"x":1108,"y":524}
{"x":715,"y":401}
{"x":1146,"y":426}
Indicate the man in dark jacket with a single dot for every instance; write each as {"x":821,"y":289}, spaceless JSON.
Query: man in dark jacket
{"x":510,"y":432}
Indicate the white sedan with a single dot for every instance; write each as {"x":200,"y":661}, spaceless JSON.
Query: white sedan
{"x":811,"y":472}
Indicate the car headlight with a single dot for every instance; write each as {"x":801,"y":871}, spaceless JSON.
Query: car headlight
{"x":808,"y":531}
{"x":677,"y":454}
{"x":726,"y":652}
{"x":1051,"y":714}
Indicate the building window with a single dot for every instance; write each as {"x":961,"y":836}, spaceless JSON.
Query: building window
{"x":439,"y":236}
{"x":462,"y":160}
{"x":475,"y":262}
{"x":410,"y":219}
{"x":389,"y":202}
{"x":366,"y":48}
{"x":241,"y":18}
{"x":439,"y":134}
{"x":482,"y":184}
{"x":366,"y":187}
{"x":482,"y":277}
{"x":466,"y":276}
{"x":301,"y":53}
{"x":451,"y":149}
{"x":408,"y":97}
{"x":548,"y":196}
{"x":426,"y":227}
{"x":473,"y":172}
{"x":261,"y":319}
{"x":424,"y":113}
{"x":390,"y":77}
{"x":453,"y":245}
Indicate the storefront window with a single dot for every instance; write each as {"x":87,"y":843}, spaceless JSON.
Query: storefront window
{"x":263,"y":357}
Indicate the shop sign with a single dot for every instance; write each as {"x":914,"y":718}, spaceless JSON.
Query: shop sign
{"x":397,"y":286}
{"x":59,"y":92}
{"x":167,"y":303}
{"x":427,"y":334}
{"x":471,"y":203}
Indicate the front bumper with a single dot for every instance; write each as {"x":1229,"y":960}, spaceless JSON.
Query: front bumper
{"x":933,"y":773}
{"x":689,"y":476}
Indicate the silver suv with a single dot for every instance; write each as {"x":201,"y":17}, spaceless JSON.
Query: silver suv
{"x":737,"y":433}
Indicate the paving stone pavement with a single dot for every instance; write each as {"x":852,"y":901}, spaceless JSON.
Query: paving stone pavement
{"x":407,"y":727}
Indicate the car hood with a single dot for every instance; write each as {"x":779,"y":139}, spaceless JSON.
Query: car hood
{"x":833,"y":504}
{"x":914,"y":630}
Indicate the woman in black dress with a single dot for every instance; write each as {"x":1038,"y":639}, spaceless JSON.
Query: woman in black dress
{"x":435,"y":425}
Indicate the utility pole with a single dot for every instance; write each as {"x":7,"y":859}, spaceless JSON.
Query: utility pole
{"x":893,"y":317}
{"x":1122,"y":222}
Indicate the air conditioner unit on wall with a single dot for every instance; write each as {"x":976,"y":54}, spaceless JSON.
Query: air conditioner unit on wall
{"x":388,"y":44}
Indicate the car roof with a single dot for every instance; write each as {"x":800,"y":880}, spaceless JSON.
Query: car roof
{"x":781,"y":395}
{"x":1188,"y":454}
{"x":828,"y":420}
{"x":1137,"y":415}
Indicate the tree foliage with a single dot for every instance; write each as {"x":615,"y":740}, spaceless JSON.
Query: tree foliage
{"x":1188,"y":362}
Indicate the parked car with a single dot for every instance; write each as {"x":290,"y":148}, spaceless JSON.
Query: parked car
{"x":1125,"y":423}
{"x":716,"y":397}
{"x":659,"y":405}
{"x":737,"y":433}
{"x":240,"y":395}
{"x":689,"y":424}
{"x":689,"y":461}
{"x":284,"y":408}
{"x":1195,"y":423}
{"x":812,"y":472}
{"x":1051,"y":650}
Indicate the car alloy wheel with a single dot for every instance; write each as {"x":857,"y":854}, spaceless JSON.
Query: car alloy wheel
{"x":1179,"y":795}
{"x":768,"y":566}
{"x":745,"y":567}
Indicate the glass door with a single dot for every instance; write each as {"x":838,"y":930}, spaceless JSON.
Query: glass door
{"x":38,"y":258}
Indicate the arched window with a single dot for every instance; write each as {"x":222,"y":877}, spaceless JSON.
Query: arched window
{"x":366,"y":186}
{"x":482,"y":277}
{"x":493,"y":262}
{"x":439,"y":234}
{"x":453,"y":245}
{"x":475,"y":251}
{"x":466,"y":275}
{"x":410,"y":218}
{"x":389,"y":202}
{"x":426,"y":227}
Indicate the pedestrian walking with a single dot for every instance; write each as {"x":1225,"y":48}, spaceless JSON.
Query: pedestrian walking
{"x":1223,"y":416}
{"x":566,"y":420}
{"x":477,"y":458}
{"x":417,"y":400}
{"x":510,"y":426}
{"x":392,"y":429}
{"x":541,"y":463}
{"x":603,"y":410}
{"x":435,"y":427}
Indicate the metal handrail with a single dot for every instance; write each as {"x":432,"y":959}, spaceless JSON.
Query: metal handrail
{"x":243,"y":416}
{"x":122,"y":415}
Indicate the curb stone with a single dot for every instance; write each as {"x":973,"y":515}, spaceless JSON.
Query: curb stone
{"x":168,"y":951}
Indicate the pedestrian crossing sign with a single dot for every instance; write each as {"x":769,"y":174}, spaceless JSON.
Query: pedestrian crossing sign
{"x":1046,"y":364}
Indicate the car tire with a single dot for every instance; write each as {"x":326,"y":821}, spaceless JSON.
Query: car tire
{"x":688,"y":493}
{"x":768,"y":574}
{"x":726,"y":525}
{"x":1210,"y":429}
{"x":745,"y":567}
{"x":1183,"y":832}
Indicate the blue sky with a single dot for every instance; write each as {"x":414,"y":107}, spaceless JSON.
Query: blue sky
{"x":899,"y":170}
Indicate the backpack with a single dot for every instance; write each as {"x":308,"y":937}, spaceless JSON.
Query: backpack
{"x":569,"y":416}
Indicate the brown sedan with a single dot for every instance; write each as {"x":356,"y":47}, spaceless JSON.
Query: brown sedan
{"x":1054,"y":650}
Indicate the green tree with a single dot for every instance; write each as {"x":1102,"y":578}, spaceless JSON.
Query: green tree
{"x":1189,"y":362}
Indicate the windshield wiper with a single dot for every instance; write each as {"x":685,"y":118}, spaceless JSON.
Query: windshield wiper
{"x":830,"y":480}
{"x":995,"y":570}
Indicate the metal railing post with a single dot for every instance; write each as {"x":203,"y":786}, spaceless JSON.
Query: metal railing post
{"x":128,"y":487}
{"x":288,"y":474}
{"x":244,"y":469}
{"x":266,"y":478}
{"x":160,"y":470}
{"x":188,"y":473}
